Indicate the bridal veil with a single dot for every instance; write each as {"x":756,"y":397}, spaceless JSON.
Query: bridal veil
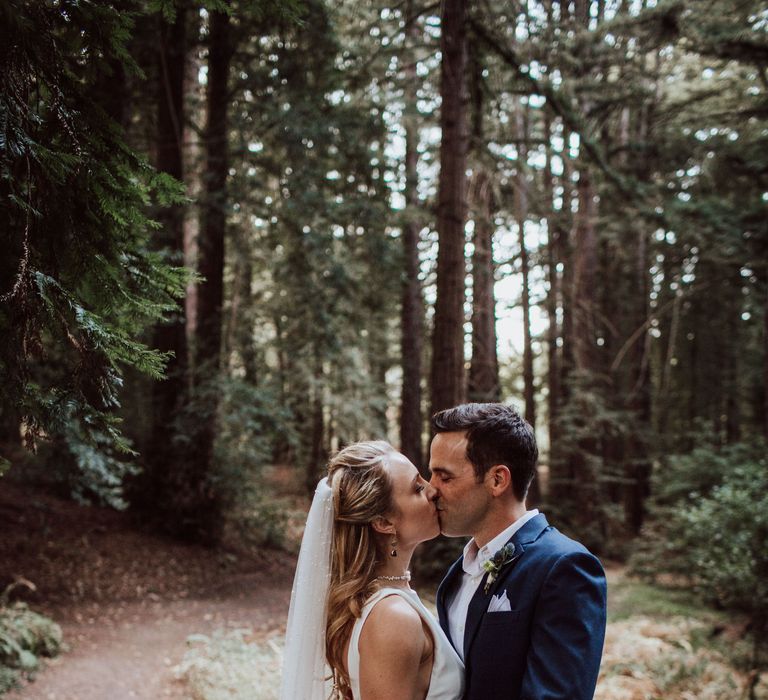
{"x":306,"y":675}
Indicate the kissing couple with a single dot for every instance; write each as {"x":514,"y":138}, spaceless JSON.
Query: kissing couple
{"x":521,"y":612}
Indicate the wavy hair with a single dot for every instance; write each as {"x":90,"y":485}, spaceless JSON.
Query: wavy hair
{"x":362,"y":492}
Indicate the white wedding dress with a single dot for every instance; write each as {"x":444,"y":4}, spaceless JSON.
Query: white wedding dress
{"x":447,"y":679}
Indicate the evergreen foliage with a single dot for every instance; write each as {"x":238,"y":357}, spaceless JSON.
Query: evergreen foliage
{"x":79,"y":281}
{"x":710,"y":528}
{"x":312,"y":200}
{"x":25,"y":638}
{"x":661,"y":112}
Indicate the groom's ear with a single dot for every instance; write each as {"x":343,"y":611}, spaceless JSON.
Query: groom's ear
{"x":383,"y":525}
{"x":499,"y":479}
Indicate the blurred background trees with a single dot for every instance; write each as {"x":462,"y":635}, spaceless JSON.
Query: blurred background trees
{"x":321,"y":221}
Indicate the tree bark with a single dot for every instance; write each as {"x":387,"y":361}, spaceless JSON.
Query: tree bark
{"x":195,"y":106}
{"x":317,"y":455}
{"x":731,"y":358}
{"x":561,"y":467}
{"x":637,"y":465}
{"x":447,"y":375}
{"x":412,"y":311}
{"x":553,"y":292}
{"x":483,"y":382}
{"x":484,"y":369}
{"x":156,"y":487}
{"x":765,"y":370}
{"x":566,"y":252}
{"x":584,"y":268}
{"x":521,"y":214}
{"x":201,"y":501}
{"x":238,"y":342}
{"x":214,"y":212}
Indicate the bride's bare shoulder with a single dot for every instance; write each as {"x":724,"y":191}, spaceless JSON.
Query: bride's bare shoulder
{"x":393,"y":623}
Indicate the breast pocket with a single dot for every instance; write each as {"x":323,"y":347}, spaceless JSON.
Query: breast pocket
{"x":506,"y":617}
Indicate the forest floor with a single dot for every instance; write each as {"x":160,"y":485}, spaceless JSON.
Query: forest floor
{"x":149,"y":618}
{"x":126,"y":600}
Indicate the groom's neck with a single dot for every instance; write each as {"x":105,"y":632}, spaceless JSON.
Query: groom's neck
{"x":498,"y":519}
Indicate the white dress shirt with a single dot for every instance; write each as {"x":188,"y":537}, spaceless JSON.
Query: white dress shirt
{"x":474,"y":558}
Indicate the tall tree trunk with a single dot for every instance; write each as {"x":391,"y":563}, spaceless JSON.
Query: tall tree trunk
{"x":214,"y":212}
{"x":316,"y":456}
{"x":587,"y":461}
{"x":584,"y":269}
{"x":156,"y":488}
{"x":566,"y":252}
{"x":637,"y":464}
{"x":377,"y":345}
{"x":585,"y":497}
{"x":204,"y":500}
{"x":195,"y":107}
{"x":561,"y":468}
{"x":584,"y":245}
{"x":447,"y":375}
{"x":521,"y":214}
{"x":553,"y":293}
{"x":765,"y":370}
{"x":412,"y":312}
{"x":447,"y":382}
{"x":483,"y":382}
{"x":731,"y":356}
{"x":282,"y":453}
{"x":484,"y":369}
{"x":238,"y":343}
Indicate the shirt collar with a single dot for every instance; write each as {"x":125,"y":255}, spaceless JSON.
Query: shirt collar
{"x":474,"y":558}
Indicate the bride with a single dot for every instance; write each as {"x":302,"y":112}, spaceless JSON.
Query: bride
{"x":355,"y":627}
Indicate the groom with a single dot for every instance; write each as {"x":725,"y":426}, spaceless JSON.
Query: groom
{"x":524,"y":606}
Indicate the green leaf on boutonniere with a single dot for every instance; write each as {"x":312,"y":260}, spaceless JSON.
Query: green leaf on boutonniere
{"x":497,"y":562}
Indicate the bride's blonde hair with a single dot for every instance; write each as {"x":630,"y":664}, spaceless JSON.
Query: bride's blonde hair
{"x":362,"y":492}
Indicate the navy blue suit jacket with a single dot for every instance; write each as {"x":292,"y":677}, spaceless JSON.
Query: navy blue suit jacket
{"x":548,"y":647}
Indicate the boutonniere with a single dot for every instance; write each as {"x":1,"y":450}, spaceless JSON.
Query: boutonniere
{"x":497,"y":562}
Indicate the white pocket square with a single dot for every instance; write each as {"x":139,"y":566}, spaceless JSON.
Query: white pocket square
{"x":499,"y":603}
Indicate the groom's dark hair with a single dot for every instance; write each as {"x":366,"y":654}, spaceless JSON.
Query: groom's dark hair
{"x":496,"y":434}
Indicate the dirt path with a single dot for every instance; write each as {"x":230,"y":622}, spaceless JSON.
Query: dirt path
{"x":129,"y":650}
{"x":127,"y":600}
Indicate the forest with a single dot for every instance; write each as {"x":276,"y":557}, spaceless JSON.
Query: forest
{"x":237,"y":236}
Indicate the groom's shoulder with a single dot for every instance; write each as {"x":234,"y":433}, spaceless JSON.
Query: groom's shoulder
{"x":553,"y":544}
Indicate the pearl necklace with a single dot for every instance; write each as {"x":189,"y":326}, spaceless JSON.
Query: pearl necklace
{"x":405,"y":577}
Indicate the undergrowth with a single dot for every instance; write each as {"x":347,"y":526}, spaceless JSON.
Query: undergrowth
{"x":25,"y":638}
{"x":231,"y":666}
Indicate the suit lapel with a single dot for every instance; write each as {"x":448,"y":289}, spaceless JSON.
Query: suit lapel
{"x":527,"y":534}
{"x":477,"y":606}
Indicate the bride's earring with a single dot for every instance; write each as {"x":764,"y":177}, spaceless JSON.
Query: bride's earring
{"x":393,"y":544}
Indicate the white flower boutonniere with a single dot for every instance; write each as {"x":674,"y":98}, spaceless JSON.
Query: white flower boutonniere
{"x":507,"y":554}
